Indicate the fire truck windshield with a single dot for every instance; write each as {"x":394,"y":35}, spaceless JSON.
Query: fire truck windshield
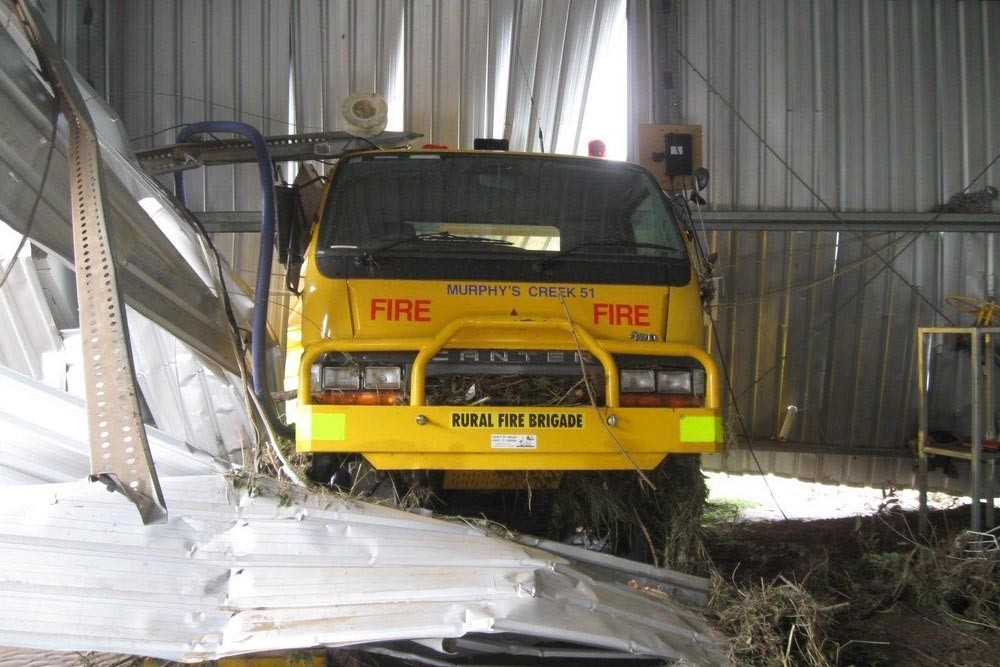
{"x":396,"y":210}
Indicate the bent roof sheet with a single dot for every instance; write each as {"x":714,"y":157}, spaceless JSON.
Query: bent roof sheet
{"x":248,"y":565}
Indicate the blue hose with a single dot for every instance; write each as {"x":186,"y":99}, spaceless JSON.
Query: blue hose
{"x":258,"y":333}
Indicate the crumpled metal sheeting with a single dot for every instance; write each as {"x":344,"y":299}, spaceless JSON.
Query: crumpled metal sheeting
{"x":189,"y":397}
{"x":168,"y":275}
{"x":685,"y":588}
{"x":29,"y":341}
{"x":163,"y":272}
{"x":43,"y":437}
{"x":265,"y":567}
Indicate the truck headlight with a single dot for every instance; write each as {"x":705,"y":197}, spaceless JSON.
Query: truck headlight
{"x":316,"y":377}
{"x":698,"y":382}
{"x":673,"y":382}
{"x":637,"y":381}
{"x":383,"y":377}
{"x":341,"y":377}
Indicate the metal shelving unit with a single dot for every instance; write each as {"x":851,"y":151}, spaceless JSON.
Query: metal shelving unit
{"x":982,"y":390}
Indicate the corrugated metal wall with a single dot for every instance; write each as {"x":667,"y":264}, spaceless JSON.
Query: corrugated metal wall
{"x":878,"y":105}
{"x":883,"y":105}
{"x":458,"y":70}
{"x":814,"y":320}
{"x":451,"y":70}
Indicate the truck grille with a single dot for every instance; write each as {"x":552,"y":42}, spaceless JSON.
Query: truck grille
{"x":513,"y":390}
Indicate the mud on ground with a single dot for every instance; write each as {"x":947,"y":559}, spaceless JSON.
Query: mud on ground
{"x":855,"y":591}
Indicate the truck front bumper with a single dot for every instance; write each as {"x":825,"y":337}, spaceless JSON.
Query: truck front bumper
{"x":509,"y":438}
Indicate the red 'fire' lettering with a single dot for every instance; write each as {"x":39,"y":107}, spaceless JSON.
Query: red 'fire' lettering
{"x":395,"y":310}
{"x":622,"y":314}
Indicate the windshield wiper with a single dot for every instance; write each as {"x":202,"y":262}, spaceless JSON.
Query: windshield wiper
{"x":448,"y":236}
{"x":370,"y":254}
{"x":433,"y":237}
{"x":601,"y":243}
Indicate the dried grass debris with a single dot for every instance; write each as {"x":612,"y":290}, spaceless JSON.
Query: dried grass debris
{"x":939,"y":576}
{"x":659,"y":526}
{"x":770,"y":624}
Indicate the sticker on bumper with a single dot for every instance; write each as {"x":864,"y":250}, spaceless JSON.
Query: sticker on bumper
{"x":509,"y":441}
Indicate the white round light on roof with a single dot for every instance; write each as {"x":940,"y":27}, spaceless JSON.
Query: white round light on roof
{"x":365,"y":114}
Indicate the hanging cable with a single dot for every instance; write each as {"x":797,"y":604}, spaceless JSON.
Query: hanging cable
{"x":707,"y":305}
{"x":593,"y":400}
{"x":739,"y":414}
{"x":38,"y":197}
{"x":253,"y":404}
{"x":531,"y":99}
{"x":708,"y":295}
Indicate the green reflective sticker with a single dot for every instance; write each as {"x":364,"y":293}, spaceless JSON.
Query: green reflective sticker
{"x":328,"y":427}
{"x":701,"y":429}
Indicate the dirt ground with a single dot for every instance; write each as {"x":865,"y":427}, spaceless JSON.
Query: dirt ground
{"x":881,"y":598}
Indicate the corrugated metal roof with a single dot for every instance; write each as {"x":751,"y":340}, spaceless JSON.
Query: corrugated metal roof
{"x":167,"y":274}
{"x":29,"y":343}
{"x":44,"y":438}
{"x":189,"y":398}
{"x":247,"y":565}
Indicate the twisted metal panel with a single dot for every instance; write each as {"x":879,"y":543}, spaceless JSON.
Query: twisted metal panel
{"x":119,"y":450}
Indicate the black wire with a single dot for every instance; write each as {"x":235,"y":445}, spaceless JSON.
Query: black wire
{"x":739,"y":415}
{"x":214,"y":104}
{"x":700,"y":250}
{"x":308,"y":183}
{"x":531,"y":99}
{"x":228,"y":143}
{"x":376,"y":146}
{"x":153,"y":134}
{"x":281,"y":428}
{"x":38,"y":196}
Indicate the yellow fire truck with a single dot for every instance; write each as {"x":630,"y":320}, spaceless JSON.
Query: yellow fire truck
{"x":489,"y":310}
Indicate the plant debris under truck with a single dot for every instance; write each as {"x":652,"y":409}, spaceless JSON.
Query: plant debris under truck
{"x":491,"y":311}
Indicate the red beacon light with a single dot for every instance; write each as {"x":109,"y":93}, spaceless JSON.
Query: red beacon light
{"x":596,"y":148}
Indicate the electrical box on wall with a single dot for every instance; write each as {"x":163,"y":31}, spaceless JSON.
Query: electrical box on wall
{"x":677,"y":154}
{"x":671,"y":152}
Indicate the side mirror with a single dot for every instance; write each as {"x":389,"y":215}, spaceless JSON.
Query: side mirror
{"x":710,"y":262}
{"x":292,"y":234}
{"x":699,"y":179}
{"x":289,"y":219}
